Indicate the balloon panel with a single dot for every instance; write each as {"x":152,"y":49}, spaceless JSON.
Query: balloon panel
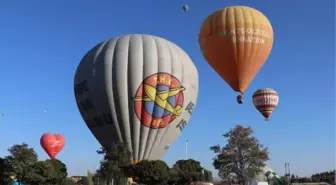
{"x":236,"y":41}
{"x":142,"y":92}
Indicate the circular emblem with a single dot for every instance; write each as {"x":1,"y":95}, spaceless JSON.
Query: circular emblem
{"x":159,"y":100}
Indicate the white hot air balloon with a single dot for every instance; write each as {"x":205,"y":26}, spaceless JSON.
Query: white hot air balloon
{"x":143,"y":93}
{"x":185,"y":8}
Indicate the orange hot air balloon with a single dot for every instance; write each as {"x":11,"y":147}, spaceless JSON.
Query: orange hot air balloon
{"x":52,"y":144}
{"x":236,"y":41}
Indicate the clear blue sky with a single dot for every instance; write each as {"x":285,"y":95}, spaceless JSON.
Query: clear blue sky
{"x":42,"y":42}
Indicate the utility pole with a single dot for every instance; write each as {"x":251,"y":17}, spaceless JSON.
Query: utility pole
{"x":186,"y":149}
{"x":287,"y":172}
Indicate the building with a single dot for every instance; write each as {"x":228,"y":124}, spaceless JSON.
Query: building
{"x":76,"y":178}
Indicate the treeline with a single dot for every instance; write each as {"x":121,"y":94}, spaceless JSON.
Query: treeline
{"x":22,"y":166}
{"x":116,"y":166}
{"x":328,"y":177}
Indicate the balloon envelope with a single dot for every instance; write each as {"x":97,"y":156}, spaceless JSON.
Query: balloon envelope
{"x":265,"y":101}
{"x":52,"y":144}
{"x":185,"y":8}
{"x":236,"y":41}
{"x":143,"y":91}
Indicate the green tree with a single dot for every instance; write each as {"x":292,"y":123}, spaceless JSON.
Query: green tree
{"x":173,"y":177}
{"x":242,"y":157}
{"x":22,"y":159}
{"x":48,"y":172}
{"x":187,"y":171}
{"x":59,"y":171}
{"x":207,"y":175}
{"x":5,"y":173}
{"x":41,"y":174}
{"x":114,"y":163}
{"x":151,"y":172}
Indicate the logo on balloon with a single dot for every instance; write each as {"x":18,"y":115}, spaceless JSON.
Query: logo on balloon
{"x":159,"y":100}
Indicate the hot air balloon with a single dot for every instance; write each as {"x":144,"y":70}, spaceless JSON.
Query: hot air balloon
{"x":185,"y":8}
{"x":265,"y":100}
{"x":236,"y":41}
{"x":272,"y":177}
{"x":143,"y":93}
{"x":52,"y":144}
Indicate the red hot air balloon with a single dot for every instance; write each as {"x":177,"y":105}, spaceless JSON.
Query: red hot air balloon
{"x":52,"y":144}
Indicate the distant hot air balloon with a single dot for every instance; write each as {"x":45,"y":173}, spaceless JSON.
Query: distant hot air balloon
{"x":236,"y":41}
{"x":185,"y":8}
{"x":143,"y":93}
{"x":265,"y":100}
{"x":52,"y":144}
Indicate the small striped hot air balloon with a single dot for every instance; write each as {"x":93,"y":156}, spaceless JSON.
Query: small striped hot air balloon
{"x":265,"y":100}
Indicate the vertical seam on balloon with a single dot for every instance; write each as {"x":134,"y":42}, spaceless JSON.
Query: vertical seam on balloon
{"x":101,"y":47}
{"x":252,"y":45}
{"x":141,"y":144}
{"x":245,"y":13}
{"x":97,"y":53}
{"x":177,"y":52}
{"x":115,"y":120}
{"x":149,"y":128}
{"x":114,"y":90}
{"x":151,"y":132}
{"x":227,"y":20}
{"x":114,"y":125}
{"x":93,"y":56}
{"x":238,"y":61}
{"x":125,"y":124}
{"x":129,"y":94}
{"x":81,"y":110}
{"x":158,"y":143}
{"x":255,"y":47}
{"x":242,"y":60}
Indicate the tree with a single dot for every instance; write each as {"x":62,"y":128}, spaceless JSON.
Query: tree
{"x":22,"y":160}
{"x":187,"y":171}
{"x":328,"y":177}
{"x":59,"y":171}
{"x":242,"y":157}
{"x":42,"y":173}
{"x":173,"y":177}
{"x":151,"y":172}
{"x":207,"y":175}
{"x":5,"y":174}
{"x":48,"y":172}
{"x":114,"y":163}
